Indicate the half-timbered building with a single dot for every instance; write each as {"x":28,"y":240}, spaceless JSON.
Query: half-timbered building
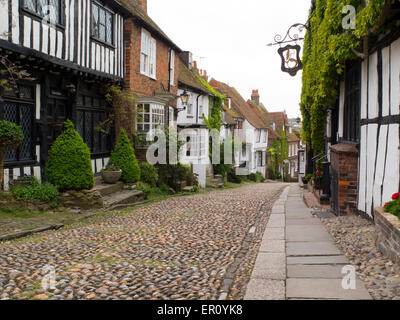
{"x":70,"y":49}
{"x":363,"y":130}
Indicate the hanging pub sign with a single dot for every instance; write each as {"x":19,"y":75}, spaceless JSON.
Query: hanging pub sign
{"x":290,"y":54}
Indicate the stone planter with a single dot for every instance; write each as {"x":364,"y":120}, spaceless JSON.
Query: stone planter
{"x":388,"y":234}
{"x":111,"y":177}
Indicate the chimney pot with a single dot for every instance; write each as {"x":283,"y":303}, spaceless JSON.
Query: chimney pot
{"x":142,"y":4}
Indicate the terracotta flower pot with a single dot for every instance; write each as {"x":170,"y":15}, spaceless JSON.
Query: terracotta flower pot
{"x":111,"y":177}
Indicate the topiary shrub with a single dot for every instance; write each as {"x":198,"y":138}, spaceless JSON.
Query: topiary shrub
{"x":124,"y":157}
{"x":148,"y":173}
{"x":69,"y":166}
{"x":10,"y":138}
{"x":253,"y":177}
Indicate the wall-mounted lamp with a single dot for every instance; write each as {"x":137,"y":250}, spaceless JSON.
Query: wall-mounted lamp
{"x":184,"y":99}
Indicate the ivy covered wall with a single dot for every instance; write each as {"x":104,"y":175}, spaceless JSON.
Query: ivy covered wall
{"x":326,"y":49}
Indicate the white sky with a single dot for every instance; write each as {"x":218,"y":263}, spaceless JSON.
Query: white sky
{"x":231,"y":36}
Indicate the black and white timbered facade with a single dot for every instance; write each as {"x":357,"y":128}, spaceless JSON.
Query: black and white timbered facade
{"x":368,"y":118}
{"x":70,"y":48}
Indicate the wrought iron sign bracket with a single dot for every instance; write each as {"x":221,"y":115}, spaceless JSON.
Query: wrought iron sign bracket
{"x":290,"y":54}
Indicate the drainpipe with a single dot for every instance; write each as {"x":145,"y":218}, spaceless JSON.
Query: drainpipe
{"x":169,"y":69}
{"x":197,"y":108}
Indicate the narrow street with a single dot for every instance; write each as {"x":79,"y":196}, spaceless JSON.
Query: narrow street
{"x":195,"y":247}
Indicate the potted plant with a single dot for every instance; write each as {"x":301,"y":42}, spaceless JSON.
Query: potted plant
{"x":111,"y":173}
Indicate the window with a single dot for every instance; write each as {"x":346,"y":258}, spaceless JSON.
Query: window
{"x":352,"y":103}
{"x":260,"y":159}
{"x":149,"y":118}
{"x":272,"y":125}
{"x":229,"y":103}
{"x":171,"y":116}
{"x":201,"y":111}
{"x":196,"y":144}
{"x":189,"y":109}
{"x":258,"y":135}
{"x":172,"y":68}
{"x":265,"y":136}
{"x":102,"y":24}
{"x":45,"y":8}
{"x":148,"y":55}
{"x":21,"y":110}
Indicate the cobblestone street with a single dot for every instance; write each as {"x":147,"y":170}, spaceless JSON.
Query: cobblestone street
{"x":194,"y":247}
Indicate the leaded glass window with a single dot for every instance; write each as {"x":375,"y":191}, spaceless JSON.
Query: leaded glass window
{"x":102,"y":24}
{"x":45,"y":8}
{"x":21,"y":110}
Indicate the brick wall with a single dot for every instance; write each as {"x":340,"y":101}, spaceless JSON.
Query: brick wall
{"x":388,"y":234}
{"x":344,"y":158}
{"x":134,"y":80}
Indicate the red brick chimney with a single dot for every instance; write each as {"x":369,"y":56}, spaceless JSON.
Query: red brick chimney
{"x":255,"y":97}
{"x":142,"y":4}
{"x":204,"y":75}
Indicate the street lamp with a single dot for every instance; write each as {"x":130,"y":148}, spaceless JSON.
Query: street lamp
{"x":184,"y":99}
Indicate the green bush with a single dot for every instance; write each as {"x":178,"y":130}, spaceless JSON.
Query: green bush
{"x":173,"y":175}
{"x":45,"y":192}
{"x":124,"y":157}
{"x":252,"y":177}
{"x":145,"y":188}
{"x":69,"y":166}
{"x":164,"y":189}
{"x":148,"y":173}
{"x":233,"y":177}
{"x":10,"y":134}
{"x":260,"y":177}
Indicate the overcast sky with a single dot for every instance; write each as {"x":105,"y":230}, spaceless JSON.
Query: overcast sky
{"x":228,"y":38}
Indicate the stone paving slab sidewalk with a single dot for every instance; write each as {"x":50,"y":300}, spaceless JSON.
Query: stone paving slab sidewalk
{"x":298,"y":258}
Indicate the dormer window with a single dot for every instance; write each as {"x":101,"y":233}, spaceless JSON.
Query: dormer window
{"x":272,"y":125}
{"x":229,"y":103}
{"x":45,"y":8}
{"x":102,"y":24}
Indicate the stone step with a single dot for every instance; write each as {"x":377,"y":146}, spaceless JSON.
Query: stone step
{"x":107,"y":189}
{"x":125,"y":197}
{"x":98,"y":180}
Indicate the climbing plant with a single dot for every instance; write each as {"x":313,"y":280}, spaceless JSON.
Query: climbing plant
{"x":123,"y":115}
{"x":327,"y":47}
{"x":214,"y":119}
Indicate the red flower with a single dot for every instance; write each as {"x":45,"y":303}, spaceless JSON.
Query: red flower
{"x":385,"y":205}
{"x":318,"y":172}
{"x":395,"y":196}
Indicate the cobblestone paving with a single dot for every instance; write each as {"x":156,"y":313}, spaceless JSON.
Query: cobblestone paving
{"x":356,"y":237}
{"x":180,"y":248}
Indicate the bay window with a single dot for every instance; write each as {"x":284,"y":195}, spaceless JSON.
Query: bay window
{"x":149,"y":118}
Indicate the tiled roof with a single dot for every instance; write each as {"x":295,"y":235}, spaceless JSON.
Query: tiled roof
{"x":188,"y":78}
{"x":138,"y":13}
{"x":239,"y":105}
{"x":279,"y":118}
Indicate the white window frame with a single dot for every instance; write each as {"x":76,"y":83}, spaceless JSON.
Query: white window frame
{"x":148,"y":55}
{"x":156,"y":118}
